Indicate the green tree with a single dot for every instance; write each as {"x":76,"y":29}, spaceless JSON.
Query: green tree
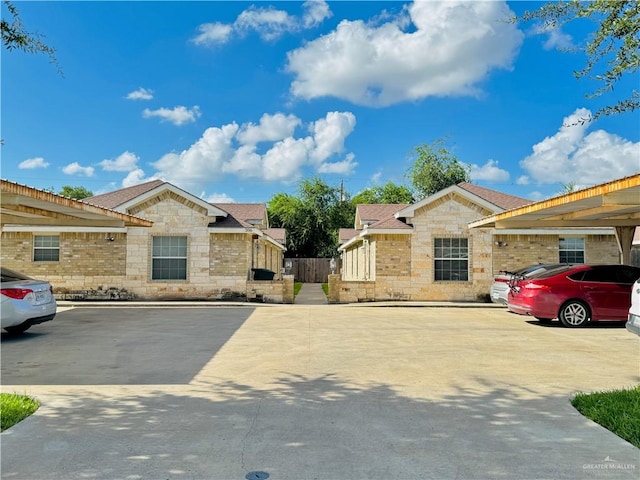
{"x":14,"y":36}
{"x":612,"y":50}
{"x":75,"y":192}
{"x":312,"y":218}
{"x":568,"y":188}
{"x":388,"y":193}
{"x":435,"y":168}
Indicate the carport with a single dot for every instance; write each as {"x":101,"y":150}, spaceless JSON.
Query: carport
{"x":614,"y":204}
{"x":26,"y":206}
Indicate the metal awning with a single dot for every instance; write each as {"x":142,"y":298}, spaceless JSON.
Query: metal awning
{"x":22,"y":205}
{"x":614,"y":204}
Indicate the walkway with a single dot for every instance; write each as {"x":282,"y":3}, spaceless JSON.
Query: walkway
{"x":311,"y":294}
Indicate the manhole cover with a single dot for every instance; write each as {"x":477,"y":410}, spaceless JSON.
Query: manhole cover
{"x":257,"y":476}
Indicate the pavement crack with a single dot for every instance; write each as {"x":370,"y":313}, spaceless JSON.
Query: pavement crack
{"x":244,"y":440}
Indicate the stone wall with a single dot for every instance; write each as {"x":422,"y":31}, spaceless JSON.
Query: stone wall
{"x":511,"y":252}
{"x":448,"y":217}
{"x":81,"y":254}
{"x":118,"y":266}
{"x":271,"y":291}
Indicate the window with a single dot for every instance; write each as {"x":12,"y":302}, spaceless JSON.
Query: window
{"x":46,"y":248}
{"x":572,"y":250}
{"x":451,"y":258}
{"x":169,"y":258}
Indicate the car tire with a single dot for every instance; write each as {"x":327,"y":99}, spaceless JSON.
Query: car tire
{"x":18,"y":328}
{"x":574,"y":313}
{"x":544,"y":321}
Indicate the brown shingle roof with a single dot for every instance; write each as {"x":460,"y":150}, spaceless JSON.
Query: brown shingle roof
{"x":278,"y":234}
{"x":246,"y":212}
{"x":499,"y":199}
{"x":346,"y":234}
{"x":391,"y":223}
{"x":118,"y":197}
{"x":375,"y":211}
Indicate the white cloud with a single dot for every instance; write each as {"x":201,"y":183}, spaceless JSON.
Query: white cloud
{"x":134,"y":177}
{"x":268,"y":22}
{"x":572,"y":155}
{"x":523,"y":180}
{"x":559,"y":40}
{"x":218,"y":198}
{"x":375,"y":178}
{"x":213,"y":34}
{"x":177,"y":115}
{"x":140,"y":94}
{"x":556,"y":38}
{"x":282,"y":156}
{"x":447,"y":49}
{"x":31,"y":163}
{"x":316,"y":11}
{"x":286,"y":158}
{"x":125,"y":162}
{"x":344,"y":167}
{"x":271,"y":128}
{"x":76,"y":169}
{"x":329,"y":134}
{"x":489,"y":172}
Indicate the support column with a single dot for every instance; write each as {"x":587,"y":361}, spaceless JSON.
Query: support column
{"x":624,"y":235}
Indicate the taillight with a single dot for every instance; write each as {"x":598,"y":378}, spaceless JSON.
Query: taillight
{"x":17,"y":293}
{"x":535,"y":286}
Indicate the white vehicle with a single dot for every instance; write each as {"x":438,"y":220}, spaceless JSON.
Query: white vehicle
{"x":24,"y":301}
{"x":633,"y":323}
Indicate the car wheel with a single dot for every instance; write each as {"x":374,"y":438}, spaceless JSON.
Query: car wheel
{"x":18,"y":328}
{"x":545,"y":321}
{"x":574,"y":313}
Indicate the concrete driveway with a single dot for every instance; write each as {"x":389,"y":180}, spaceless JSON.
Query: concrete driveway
{"x":320,"y":392}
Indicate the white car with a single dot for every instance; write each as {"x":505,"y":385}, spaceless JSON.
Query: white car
{"x":24,"y":301}
{"x":633,"y":323}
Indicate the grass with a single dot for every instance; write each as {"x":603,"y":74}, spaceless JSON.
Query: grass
{"x":296,"y":289}
{"x":616,"y":410}
{"x":14,"y":408}
{"x":325,"y":289}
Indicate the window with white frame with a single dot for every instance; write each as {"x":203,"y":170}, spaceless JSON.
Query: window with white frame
{"x":571,"y":250}
{"x":169,"y":258}
{"x":451,"y":259}
{"x":46,"y":248}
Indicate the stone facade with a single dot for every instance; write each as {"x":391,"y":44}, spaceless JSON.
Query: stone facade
{"x":404,"y":264}
{"x":103,"y":265}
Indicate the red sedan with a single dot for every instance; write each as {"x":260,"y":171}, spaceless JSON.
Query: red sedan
{"x":575,"y":294}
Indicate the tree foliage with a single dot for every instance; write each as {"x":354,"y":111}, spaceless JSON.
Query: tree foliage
{"x":75,"y":192}
{"x":14,"y":36}
{"x":312,"y":218}
{"x":613,"y":49}
{"x":435,"y":168}
{"x":387,"y":193}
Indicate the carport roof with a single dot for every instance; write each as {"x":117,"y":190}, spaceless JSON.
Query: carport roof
{"x":22,"y":205}
{"x":612,"y":204}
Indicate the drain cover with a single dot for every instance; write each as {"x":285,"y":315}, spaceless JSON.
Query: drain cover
{"x":257,"y":476}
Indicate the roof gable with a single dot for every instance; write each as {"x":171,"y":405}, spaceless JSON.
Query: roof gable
{"x":502,"y":200}
{"x":126,"y":199}
{"x":490,"y":200}
{"x":118,"y":197}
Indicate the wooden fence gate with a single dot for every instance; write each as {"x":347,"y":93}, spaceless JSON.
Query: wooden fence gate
{"x":310,"y":270}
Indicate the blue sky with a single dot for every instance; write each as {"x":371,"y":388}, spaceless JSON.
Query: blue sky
{"x":237,"y":101}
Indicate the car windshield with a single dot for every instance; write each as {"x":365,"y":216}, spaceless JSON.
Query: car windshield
{"x":11,"y":276}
